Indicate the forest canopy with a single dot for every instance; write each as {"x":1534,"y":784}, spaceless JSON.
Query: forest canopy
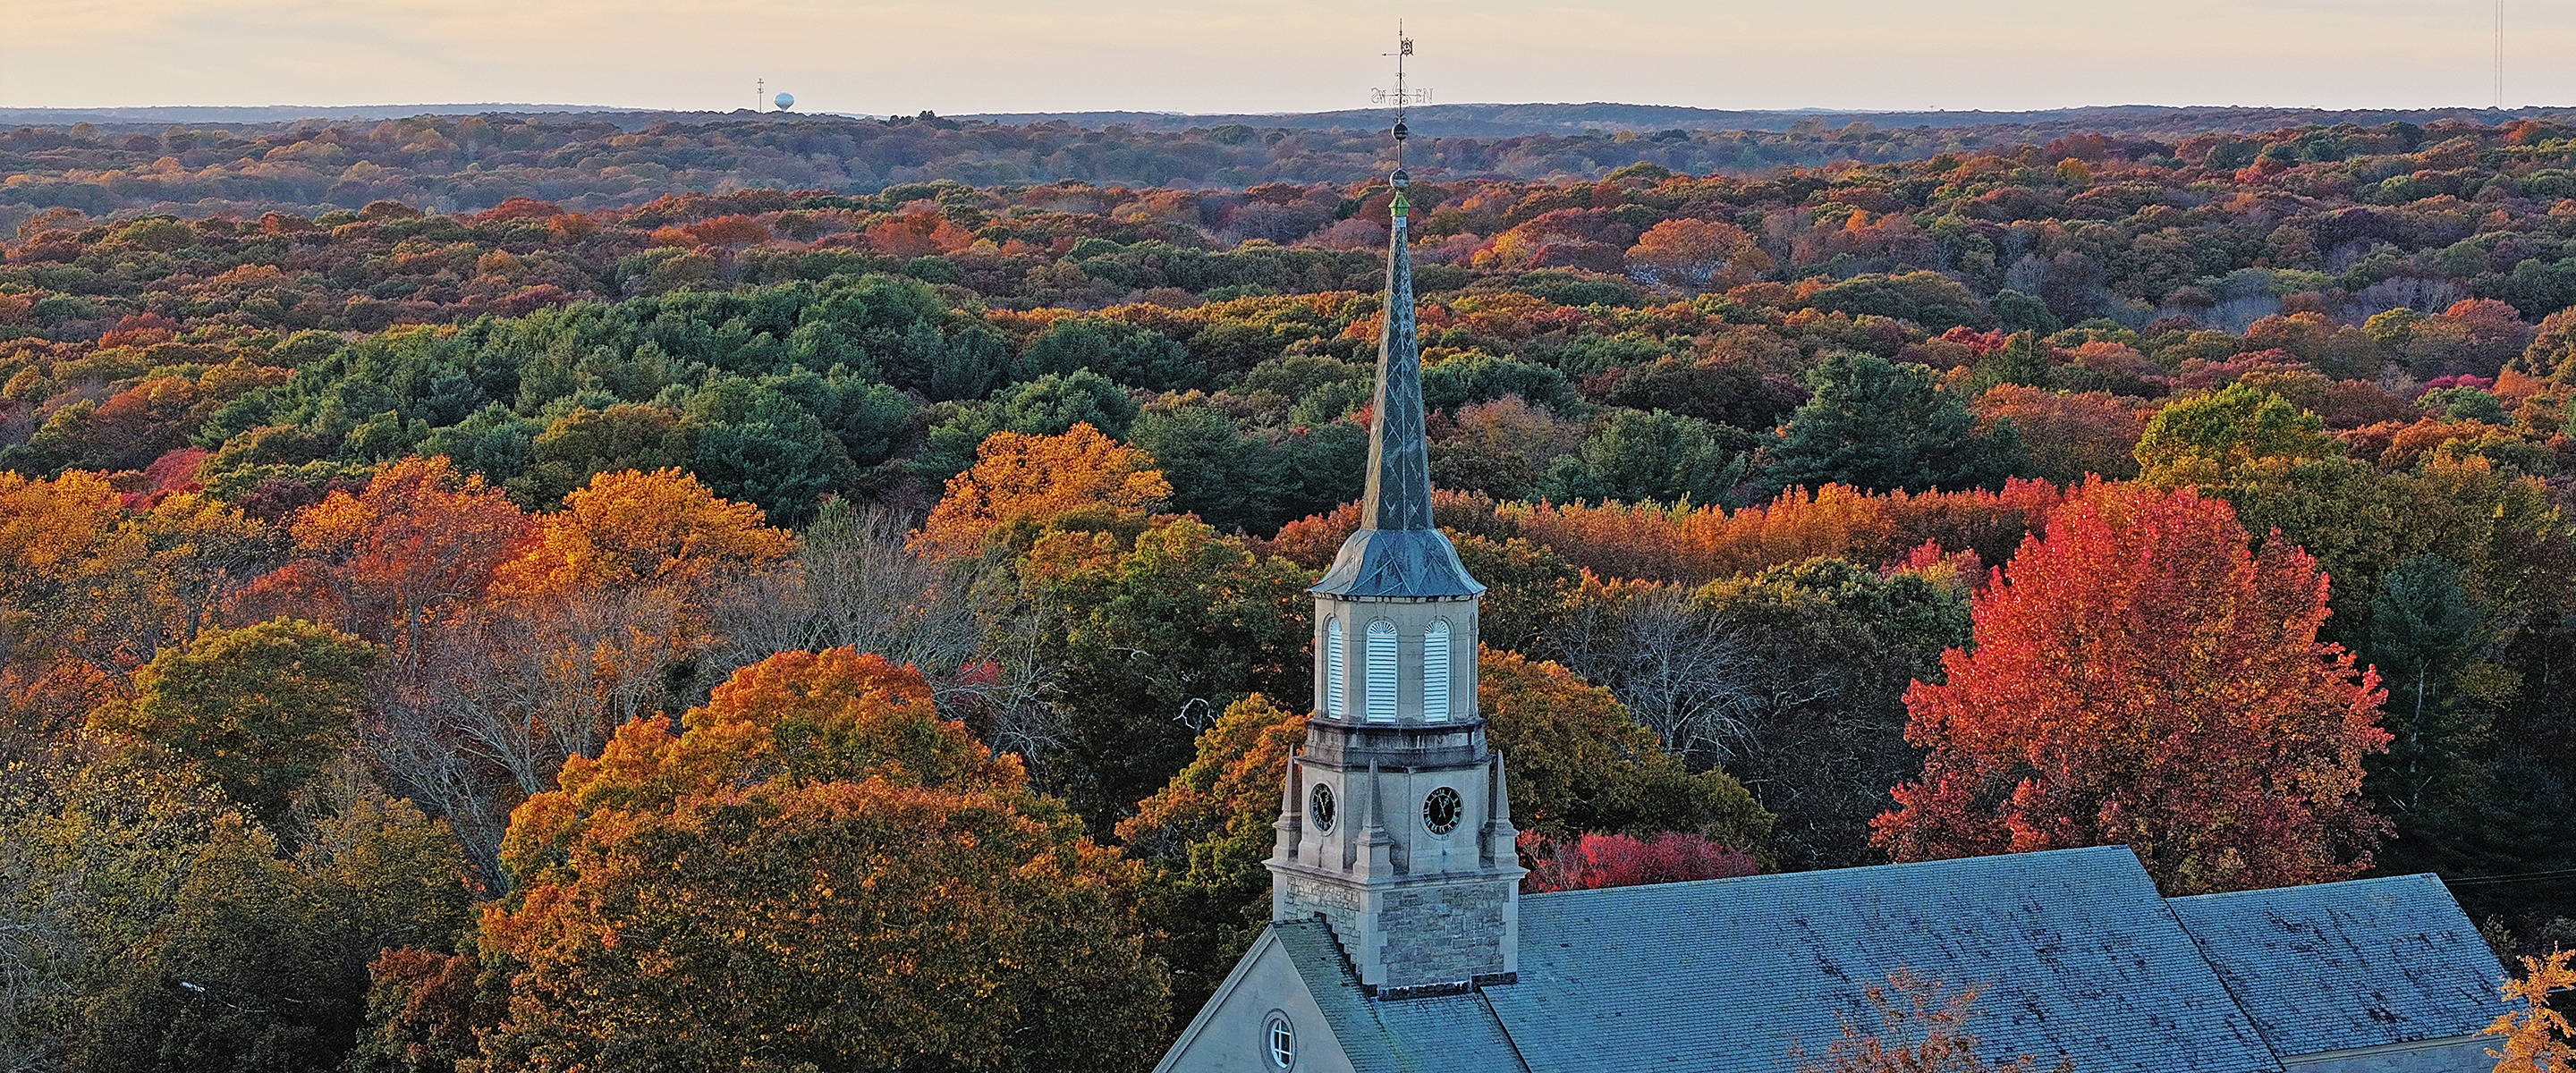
{"x":438,"y":548}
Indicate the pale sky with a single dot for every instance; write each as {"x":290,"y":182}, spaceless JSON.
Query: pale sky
{"x":1232,"y":55}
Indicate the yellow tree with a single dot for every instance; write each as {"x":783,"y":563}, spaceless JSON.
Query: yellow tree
{"x":1031,"y":478}
{"x":89,"y":590}
{"x":2536,"y":1038}
{"x":59,"y":544}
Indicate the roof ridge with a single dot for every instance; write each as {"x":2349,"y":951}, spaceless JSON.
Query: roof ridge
{"x":2201,"y":947}
{"x":1811,"y":874}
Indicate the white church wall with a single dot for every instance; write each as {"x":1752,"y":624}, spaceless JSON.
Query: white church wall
{"x":1230,"y":1034}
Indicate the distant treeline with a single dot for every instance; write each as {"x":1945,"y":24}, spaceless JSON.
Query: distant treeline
{"x":454,"y":164}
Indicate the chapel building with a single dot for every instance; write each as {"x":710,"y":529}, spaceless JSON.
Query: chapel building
{"x":1400,"y":942}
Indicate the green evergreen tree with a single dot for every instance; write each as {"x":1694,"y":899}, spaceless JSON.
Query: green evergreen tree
{"x":1217,"y":473}
{"x":1657,"y":457}
{"x":755,"y":444}
{"x":1877,"y":425}
{"x":1052,"y":404}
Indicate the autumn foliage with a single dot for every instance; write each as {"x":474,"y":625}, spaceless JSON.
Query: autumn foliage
{"x":632,"y":529}
{"x":387,"y":560}
{"x":305,"y":504}
{"x":1017,"y":478}
{"x":858,"y":879}
{"x":2536,"y":1038}
{"x":2142,"y":677}
{"x":1594,"y":861}
{"x":1704,"y":543}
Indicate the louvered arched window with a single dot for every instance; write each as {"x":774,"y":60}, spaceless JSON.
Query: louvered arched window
{"x":1381,"y":671}
{"x":1336,"y":676}
{"x":1435,"y":672}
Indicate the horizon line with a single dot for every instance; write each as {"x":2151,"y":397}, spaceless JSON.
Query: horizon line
{"x":540,"y":108}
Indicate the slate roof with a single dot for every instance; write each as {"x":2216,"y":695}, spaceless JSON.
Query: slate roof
{"x":2080,"y":955}
{"x":2365,"y":963}
{"x":1443,"y":1034}
{"x":1398,"y":553}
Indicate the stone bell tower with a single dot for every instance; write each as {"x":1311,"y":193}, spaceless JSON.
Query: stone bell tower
{"x":1395,"y":826}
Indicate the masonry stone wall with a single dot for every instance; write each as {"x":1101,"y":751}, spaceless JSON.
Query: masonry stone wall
{"x":1303,"y":897}
{"x":1442,"y":934}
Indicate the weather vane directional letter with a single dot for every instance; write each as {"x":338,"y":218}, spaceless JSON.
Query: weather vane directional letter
{"x":1400,"y":96}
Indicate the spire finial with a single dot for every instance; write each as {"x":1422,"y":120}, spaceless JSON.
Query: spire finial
{"x":1401,"y":97}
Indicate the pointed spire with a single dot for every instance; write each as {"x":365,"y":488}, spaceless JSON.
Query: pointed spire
{"x":1398,"y":551}
{"x":1374,"y":841}
{"x":1499,"y":842}
{"x":1399,"y":474}
{"x":1291,"y":826}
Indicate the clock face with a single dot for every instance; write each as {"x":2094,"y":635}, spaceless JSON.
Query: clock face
{"x":1441,"y":810}
{"x":1319,"y":807}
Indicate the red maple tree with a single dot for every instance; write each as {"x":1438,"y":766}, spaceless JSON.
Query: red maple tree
{"x":2143,"y":677}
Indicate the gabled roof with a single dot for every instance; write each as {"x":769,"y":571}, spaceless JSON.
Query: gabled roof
{"x":2343,"y":965}
{"x":1442,"y":1034}
{"x":2080,"y":956}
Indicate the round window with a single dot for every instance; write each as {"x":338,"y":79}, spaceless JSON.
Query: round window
{"x":1320,"y":807}
{"x":1282,"y":1038}
{"x":1441,"y":810}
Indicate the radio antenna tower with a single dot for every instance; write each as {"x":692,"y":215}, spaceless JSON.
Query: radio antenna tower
{"x":759,"y":93}
{"x":1400,"y":96}
{"x":2499,"y":54}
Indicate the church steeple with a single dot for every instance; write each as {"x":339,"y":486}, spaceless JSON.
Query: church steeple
{"x":1395,"y":826}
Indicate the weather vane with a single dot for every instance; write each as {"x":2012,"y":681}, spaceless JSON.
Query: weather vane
{"x":1400,"y":97}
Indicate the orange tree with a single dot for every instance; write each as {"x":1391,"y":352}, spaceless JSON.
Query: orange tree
{"x":818,"y":871}
{"x":2536,"y":1037}
{"x":635,"y":529}
{"x":74,"y":581}
{"x":1032,"y":478}
{"x":2142,"y":677}
{"x":386,"y":562}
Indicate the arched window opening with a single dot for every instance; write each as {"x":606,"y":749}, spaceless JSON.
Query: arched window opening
{"x":1435,"y":672}
{"x":1381,"y":671}
{"x":1336,"y":678}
